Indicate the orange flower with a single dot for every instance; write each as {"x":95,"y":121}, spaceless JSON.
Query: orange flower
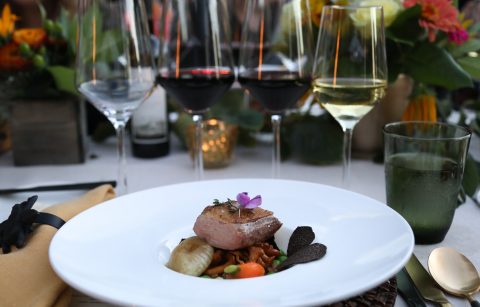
{"x":34,"y":37}
{"x":421,"y":108}
{"x":10,"y":58}
{"x":436,"y":15}
{"x":7,"y":22}
{"x":316,"y":7}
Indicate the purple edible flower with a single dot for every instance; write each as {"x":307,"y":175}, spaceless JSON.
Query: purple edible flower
{"x":245,"y":202}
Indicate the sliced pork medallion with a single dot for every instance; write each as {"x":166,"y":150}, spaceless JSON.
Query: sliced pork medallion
{"x":224,"y":227}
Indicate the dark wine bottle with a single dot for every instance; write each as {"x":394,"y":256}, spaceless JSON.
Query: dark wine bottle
{"x":149,"y":127}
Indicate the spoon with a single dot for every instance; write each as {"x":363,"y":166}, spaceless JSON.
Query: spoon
{"x":454,"y":273}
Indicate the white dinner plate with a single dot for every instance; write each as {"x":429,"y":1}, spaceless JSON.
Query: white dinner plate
{"x":117,"y":251}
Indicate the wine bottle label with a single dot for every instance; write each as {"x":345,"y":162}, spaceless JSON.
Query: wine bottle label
{"x":149,"y":122}
{"x":149,"y":140}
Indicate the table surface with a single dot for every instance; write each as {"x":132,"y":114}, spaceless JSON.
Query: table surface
{"x":367,"y":179}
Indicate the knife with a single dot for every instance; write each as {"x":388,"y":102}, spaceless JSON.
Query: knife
{"x":58,"y":187}
{"x":408,"y":290}
{"x":425,"y":283}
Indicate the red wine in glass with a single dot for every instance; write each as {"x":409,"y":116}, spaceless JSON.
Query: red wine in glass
{"x":195,"y":64}
{"x":197,"y":89}
{"x":275,"y":58}
{"x":276,"y":91}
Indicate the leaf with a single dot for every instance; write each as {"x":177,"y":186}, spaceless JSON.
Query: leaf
{"x":313,"y":139}
{"x":474,"y":29}
{"x":395,"y":57}
{"x":92,"y":16}
{"x":250,"y":120}
{"x":180,"y":127}
{"x":444,"y":108}
{"x":463,"y":49}
{"x":405,"y":28}
{"x":471,"y":176}
{"x":232,"y":109}
{"x":471,"y":65}
{"x":432,"y":65}
{"x":399,"y":40}
{"x":43,"y":12}
{"x":64,"y":78}
{"x":109,"y":45}
{"x":230,"y":103}
{"x":68,"y":22}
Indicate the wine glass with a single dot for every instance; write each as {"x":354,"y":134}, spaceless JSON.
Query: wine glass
{"x":115,"y":66}
{"x":275,"y":58}
{"x":195,"y":62}
{"x":350,"y":69}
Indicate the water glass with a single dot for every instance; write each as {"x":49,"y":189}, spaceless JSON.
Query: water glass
{"x":424,"y":165}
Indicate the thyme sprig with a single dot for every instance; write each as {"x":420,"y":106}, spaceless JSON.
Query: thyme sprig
{"x":231,"y":205}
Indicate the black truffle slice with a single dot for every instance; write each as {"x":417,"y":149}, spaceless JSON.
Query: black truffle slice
{"x":306,"y":254}
{"x":301,"y":237}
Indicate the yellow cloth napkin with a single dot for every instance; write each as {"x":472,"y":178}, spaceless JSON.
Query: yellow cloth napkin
{"x":26,"y":277}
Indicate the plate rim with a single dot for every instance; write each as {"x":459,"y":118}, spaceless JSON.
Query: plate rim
{"x":379,"y":280}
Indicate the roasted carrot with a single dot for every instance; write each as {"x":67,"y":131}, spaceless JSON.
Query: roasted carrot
{"x":249,"y":269}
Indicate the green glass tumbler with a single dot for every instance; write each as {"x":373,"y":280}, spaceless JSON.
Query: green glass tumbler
{"x":424,"y":165}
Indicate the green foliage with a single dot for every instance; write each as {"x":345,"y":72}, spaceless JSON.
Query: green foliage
{"x":52,"y":72}
{"x":27,"y":84}
{"x":68,"y":23}
{"x":64,"y":78}
{"x":232,"y":109}
{"x":180,"y":127}
{"x":471,"y":65}
{"x":405,"y":29}
{"x":312,"y":139}
{"x":444,"y":108}
{"x":463,"y":49}
{"x":429,"y":64}
{"x":108,"y":44}
{"x":43,"y":12}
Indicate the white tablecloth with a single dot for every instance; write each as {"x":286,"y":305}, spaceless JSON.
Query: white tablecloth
{"x":367,"y":179}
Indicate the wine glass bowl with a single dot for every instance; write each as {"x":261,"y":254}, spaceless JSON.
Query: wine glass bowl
{"x":276,"y":58}
{"x":114,"y":66}
{"x":195,"y":63}
{"x":350,"y":69}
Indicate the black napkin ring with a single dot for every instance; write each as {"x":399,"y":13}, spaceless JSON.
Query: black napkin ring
{"x":14,"y":230}
{"x":49,"y":219}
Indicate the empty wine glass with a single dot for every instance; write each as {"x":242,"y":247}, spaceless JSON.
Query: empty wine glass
{"x":195,"y":62}
{"x":350,"y":70}
{"x":114,"y":67}
{"x":275,"y":58}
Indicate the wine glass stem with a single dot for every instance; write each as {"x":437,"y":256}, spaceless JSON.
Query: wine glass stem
{"x":347,"y":152}
{"x":276,"y":121}
{"x":197,"y":148}
{"x":122,"y":160}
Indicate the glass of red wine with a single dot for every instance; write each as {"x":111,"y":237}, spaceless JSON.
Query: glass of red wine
{"x":276,"y":58}
{"x":195,"y":61}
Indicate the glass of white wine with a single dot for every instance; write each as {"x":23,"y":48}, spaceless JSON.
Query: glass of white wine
{"x":350,"y":69}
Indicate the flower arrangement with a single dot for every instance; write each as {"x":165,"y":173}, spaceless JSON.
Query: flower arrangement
{"x":36,"y":62}
{"x":428,"y":40}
